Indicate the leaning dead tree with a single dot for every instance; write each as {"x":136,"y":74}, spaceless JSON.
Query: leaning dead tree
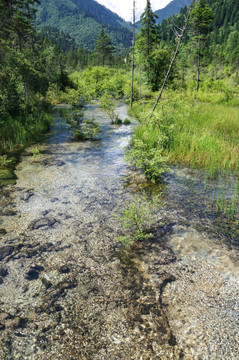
{"x":179,"y":33}
{"x":133,"y":65}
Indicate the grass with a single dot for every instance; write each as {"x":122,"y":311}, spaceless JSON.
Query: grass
{"x":205,"y":135}
{"x":197,"y":134}
{"x":16,"y":133}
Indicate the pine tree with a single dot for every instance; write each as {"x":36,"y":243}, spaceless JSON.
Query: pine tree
{"x":148,"y":37}
{"x":201,"y":18}
{"x":104,"y":48}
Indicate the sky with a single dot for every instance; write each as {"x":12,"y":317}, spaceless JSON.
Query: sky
{"x":124,"y":7}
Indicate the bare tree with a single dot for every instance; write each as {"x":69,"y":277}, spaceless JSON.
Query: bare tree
{"x":179,"y":33}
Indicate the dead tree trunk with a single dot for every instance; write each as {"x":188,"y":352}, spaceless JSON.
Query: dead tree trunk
{"x":198,"y":65}
{"x":179,"y":37}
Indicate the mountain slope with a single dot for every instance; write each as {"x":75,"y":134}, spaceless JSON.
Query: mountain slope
{"x":82,"y":19}
{"x":172,"y":8}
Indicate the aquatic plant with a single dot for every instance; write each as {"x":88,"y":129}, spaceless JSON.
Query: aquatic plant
{"x":137,"y":219}
{"x":126,"y":121}
{"x":4,"y":161}
{"x":35,"y":152}
{"x":109,"y":105}
{"x":146,"y":151}
{"x":82,"y":128}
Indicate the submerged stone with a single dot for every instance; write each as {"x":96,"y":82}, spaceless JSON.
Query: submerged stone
{"x":64,"y":269}
{"x":6,"y":251}
{"x":3,"y":272}
{"x":33,"y":272}
{"x":42,"y":223}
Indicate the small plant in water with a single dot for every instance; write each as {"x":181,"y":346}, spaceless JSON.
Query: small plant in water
{"x":118,"y":121}
{"x":109,"y":106}
{"x":126,"y":121}
{"x":83,"y":129}
{"x":137,"y":219}
{"x":4,"y":161}
{"x":35,"y":152}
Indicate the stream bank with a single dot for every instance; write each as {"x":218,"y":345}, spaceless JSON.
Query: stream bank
{"x":69,"y":291}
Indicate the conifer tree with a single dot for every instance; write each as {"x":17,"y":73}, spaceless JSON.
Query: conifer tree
{"x":201,"y":18}
{"x":104,"y":47}
{"x":148,"y":36}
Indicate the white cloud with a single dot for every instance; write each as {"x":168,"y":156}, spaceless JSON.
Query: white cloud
{"x":124,"y":8}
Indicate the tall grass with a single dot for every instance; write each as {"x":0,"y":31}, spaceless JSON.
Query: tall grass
{"x":204,"y":135}
{"x":197,"y":134}
{"x":15,"y":132}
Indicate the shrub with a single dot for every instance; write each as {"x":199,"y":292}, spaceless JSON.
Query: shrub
{"x":137,"y":219}
{"x":83,"y":129}
{"x":126,"y":121}
{"x":146,"y":151}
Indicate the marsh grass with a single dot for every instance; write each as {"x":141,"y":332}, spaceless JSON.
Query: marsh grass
{"x":204,"y":135}
{"x":227,"y":206}
{"x":16,"y":133}
{"x":201,"y":135}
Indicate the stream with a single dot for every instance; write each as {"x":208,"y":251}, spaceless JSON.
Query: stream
{"x":68,"y":288}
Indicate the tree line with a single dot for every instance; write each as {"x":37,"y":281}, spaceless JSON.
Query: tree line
{"x":28,"y":67}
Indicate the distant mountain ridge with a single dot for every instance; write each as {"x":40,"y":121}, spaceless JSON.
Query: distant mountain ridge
{"x":172,"y":8}
{"x":82,"y":19}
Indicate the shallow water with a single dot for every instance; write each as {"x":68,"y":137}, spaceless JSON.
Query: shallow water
{"x":67,"y":289}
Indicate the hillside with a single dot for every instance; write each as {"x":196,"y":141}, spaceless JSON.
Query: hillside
{"x":82,"y":20}
{"x":172,"y":8}
{"x":223,"y":38}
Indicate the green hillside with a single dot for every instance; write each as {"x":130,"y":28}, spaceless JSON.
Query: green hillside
{"x":222,"y":43}
{"x":172,"y":8}
{"x":82,"y":20}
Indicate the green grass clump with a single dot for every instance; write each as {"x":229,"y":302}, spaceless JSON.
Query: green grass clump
{"x":137,"y":219}
{"x":146,"y":152}
{"x":204,"y":135}
{"x":197,"y":134}
{"x":16,"y":133}
{"x":126,"y":121}
{"x":82,"y":128}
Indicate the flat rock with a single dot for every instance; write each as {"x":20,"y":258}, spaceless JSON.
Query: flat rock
{"x":33,"y":272}
{"x":27,"y":195}
{"x":53,"y":162}
{"x":6,"y":251}
{"x":3,"y":271}
{"x":43,"y":223}
{"x":64,"y":269}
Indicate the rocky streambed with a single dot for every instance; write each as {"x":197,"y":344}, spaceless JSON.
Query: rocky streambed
{"x":68,"y":290}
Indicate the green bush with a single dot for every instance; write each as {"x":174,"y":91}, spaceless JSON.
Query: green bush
{"x":137,"y":219}
{"x":126,"y":121}
{"x":83,"y":129}
{"x":146,"y":151}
